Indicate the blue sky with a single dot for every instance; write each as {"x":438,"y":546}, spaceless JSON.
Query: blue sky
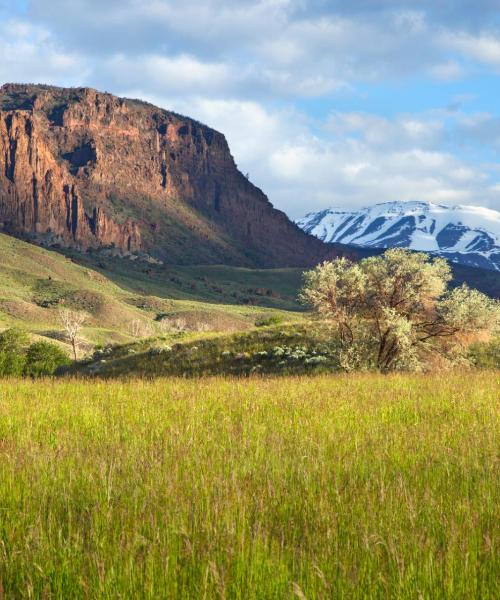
{"x":324,"y":102}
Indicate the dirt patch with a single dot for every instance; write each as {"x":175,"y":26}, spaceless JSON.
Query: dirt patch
{"x":26,"y":311}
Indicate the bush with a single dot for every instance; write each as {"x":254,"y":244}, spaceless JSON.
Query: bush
{"x":43,"y":359}
{"x":395,"y":311}
{"x":267,"y":321}
{"x":486,"y":355}
{"x":13,"y":340}
{"x":11,"y":363}
{"x":13,"y":343}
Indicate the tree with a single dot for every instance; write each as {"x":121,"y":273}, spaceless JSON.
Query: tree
{"x":72,"y":322}
{"x":396,"y":308}
{"x":13,"y":340}
{"x":13,"y":344}
{"x":44,"y":358}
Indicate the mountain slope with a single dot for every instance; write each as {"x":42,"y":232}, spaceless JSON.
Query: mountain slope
{"x":84,"y":169}
{"x":124,"y":300}
{"x":468,"y":235}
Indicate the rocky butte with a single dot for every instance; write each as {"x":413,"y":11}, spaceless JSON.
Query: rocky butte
{"x":84,"y":169}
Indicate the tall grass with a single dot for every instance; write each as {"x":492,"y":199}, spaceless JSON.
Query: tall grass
{"x":345,"y":487}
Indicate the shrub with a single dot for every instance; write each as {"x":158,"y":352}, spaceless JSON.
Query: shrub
{"x":13,"y":343}
{"x":13,"y":340}
{"x":266,"y":321}
{"x":395,"y":312}
{"x":44,"y":358}
{"x":486,"y":355}
{"x":11,"y":363}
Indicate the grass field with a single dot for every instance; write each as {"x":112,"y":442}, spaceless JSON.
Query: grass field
{"x":326,"y":487}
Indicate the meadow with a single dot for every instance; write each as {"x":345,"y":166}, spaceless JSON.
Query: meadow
{"x":348,"y":486}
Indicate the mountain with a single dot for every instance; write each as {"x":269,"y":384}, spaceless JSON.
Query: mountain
{"x":83,"y":169}
{"x":467,"y":235}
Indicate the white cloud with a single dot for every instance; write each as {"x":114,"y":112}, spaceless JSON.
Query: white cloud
{"x":301,"y":171}
{"x":29,"y":54}
{"x":484,"y":48}
{"x":178,"y":74}
{"x":243,"y":67}
{"x":449,"y":70}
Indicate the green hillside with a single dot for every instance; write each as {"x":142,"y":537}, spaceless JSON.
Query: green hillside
{"x":125,"y":299}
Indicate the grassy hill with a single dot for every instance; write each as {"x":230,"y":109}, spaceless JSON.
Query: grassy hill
{"x":128,"y":301}
{"x":125,"y":299}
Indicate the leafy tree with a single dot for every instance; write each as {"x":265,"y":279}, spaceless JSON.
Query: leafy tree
{"x":393,"y":310}
{"x":13,"y":343}
{"x":43,"y":359}
{"x":13,"y":340}
{"x":11,"y":363}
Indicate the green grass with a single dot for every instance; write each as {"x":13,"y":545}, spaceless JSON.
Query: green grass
{"x":36,"y":282}
{"x":318,"y":488}
{"x":299,"y":348}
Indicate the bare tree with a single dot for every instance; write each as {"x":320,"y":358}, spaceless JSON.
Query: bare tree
{"x":135,"y":328}
{"x":172,"y":325}
{"x":72,"y":323}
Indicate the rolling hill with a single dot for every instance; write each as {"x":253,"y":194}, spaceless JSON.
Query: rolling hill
{"x":125,"y":300}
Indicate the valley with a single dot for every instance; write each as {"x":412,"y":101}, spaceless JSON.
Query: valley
{"x":249,"y":300}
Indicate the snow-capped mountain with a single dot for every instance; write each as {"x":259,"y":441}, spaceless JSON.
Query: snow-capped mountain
{"x":468,"y":235}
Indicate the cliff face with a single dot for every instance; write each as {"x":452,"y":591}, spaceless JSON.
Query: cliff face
{"x":39,"y":196}
{"x":86,"y":169}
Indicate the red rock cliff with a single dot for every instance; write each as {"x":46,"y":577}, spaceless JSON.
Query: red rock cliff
{"x":87,"y":169}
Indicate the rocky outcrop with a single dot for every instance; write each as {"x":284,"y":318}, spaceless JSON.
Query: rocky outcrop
{"x":38,"y":196}
{"x":87,"y":169}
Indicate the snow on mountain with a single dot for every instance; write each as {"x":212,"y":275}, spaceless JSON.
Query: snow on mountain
{"x":468,"y":235}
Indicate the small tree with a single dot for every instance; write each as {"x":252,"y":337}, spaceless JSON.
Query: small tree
{"x":13,"y":344}
{"x":172,"y":325}
{"x":72,"y":323}
{"x":44,"y":358}
{"x":13,"y":340}
{"x":395,"y":308}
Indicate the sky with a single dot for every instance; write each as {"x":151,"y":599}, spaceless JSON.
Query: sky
{"x":325,"y":103}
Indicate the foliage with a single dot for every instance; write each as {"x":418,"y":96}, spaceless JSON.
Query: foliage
{"x":43,"y":359}
{"x":18,"y":358}
{"x":356,"y":487}
{"x":11,"y":363}
{"x":394,"y":311}
{"x":291,"y":349}
{"x":13,"y":340}
{"x":268,"y":321}
{"x":486,"y":355}
{"x":13,"y":344}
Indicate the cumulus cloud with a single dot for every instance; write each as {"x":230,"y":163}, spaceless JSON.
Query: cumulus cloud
{"x":258,"y":69}
{"x":31,"y":53}
{"x":355,"y":159}
{"x":288,"y":47}
{"x":483,"y":47}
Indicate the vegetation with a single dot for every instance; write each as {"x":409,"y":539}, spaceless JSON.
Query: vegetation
{"x":124,"y":298}
{"x":358,"y":486}
{"x":393,"y":311}
{"x":44,"y":359}
{"x":286,"y":350}
{"x":72,"y":323}
{"x":18,"y":357}
{"x":486,"y":355}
